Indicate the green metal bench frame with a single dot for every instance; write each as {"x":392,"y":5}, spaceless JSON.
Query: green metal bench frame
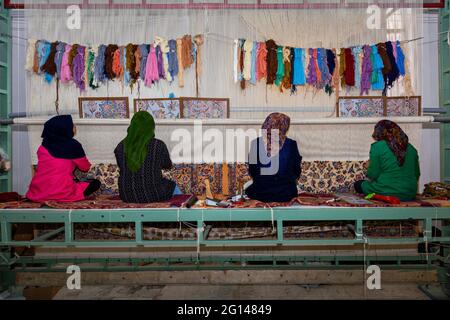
{"x":200,"y":217}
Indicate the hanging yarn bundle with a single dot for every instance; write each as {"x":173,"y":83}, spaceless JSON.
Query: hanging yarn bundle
{"x":287,"y":79}
{"x":365,"y":68}
{"x":131,"y":63}
{"x":60,"y":49}
{"x":173,"y":58}
{"x":78,"y":67}
{"x":261,"y":64}
{"x":31,"y":49}
{"x":312,"y":75}
{"x":99,"y":68}
{"x":49,"y":66}
{"x":88,"y":66}
{"x":271,"y":61}
{"x":331,"y":64}
{"x":280,"y":66}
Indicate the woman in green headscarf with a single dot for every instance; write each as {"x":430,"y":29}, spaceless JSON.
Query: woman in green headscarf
{"x":141,"y":158}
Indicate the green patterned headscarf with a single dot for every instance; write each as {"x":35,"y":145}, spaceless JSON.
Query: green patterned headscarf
{"x":140,"y":132}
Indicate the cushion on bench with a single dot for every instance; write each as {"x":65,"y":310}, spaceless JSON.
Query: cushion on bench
{"x":317,"y":176}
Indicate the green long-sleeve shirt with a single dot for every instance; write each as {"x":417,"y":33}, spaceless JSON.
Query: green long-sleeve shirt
{"x":387,"y":177}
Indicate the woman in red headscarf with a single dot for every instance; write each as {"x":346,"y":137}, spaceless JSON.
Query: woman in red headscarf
{"x":274,"y":162}
{"x":394,"y":164}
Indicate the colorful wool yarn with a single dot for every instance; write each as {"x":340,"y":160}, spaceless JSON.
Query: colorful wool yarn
{"x":93,"y":66}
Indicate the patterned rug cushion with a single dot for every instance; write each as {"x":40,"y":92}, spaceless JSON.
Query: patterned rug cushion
{"x":331,"y":176}
{"x":317,"y":176}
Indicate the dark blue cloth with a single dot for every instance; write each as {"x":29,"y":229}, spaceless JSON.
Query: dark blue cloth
{"x":58,"y":138}
{"x":279,"y":185}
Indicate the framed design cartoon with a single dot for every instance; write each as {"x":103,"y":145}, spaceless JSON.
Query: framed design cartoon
{"x":205,"y":108}
{"x":403,"y":106}
{"x":159,"y":108}
{"x":104,"y":108}
{"x":351,"y":107}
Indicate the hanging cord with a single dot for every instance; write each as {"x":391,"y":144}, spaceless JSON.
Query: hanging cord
{"x":224,"y":38}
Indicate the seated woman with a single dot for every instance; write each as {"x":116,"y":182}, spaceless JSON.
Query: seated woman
{"x":393,"y":164}
{"x":274,"y":164}
{"x":141,"y":157}
{"x":58,"y":156}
